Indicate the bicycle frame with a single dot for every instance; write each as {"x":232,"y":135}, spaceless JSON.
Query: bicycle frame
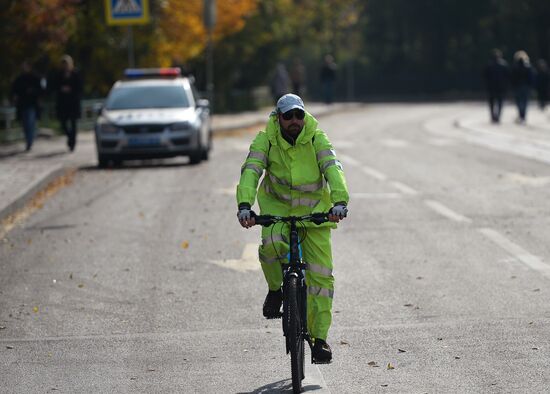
{"x":296,"y":267}
{"x":294,"y":294}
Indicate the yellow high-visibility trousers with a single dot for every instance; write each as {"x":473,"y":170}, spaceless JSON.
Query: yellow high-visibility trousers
{"x":317,"y":253}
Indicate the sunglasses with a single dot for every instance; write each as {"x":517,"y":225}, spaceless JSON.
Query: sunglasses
{"x":294,"y":113}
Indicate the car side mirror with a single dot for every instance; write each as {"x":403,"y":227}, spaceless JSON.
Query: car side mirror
{"x":203,"y":103}
{"x":98,"y":108}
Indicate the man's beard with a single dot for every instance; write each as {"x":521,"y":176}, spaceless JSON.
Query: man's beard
{"x":293,"y":130}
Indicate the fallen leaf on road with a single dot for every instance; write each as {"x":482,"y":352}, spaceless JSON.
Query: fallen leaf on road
{"x":71,"y":275}
{"x":457,"y":358}
{"x":9,"y":347}
{"x":439,"y":339}
{"x":150,"y":370}
{"x":344,"y":343}
{"x":35,"y":309}
{"x":408,"y":305}
{"x":2,"y":327}
{"x":372,"y":364}
{"x":141,"y":215}
{"x":184,"y":245}
{"x":80,"y":285}
{"x":390,"y":366}
{"x":531,"y":322}
{"x":534,"y":348}
{"x":536,"y":290}
{"x":419,"y":277}
{"x":133,"y":378}
{"x":401,"y":351}
{"x":384,"y":385}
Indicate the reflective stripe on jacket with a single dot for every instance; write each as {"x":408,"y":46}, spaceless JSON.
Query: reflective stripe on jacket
{"x":298,"y":179}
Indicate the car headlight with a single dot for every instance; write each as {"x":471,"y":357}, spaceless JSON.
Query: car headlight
{"x":180,"y":126}
{"x":108,"y":128}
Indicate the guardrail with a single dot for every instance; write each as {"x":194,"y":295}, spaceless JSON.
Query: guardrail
{"x":10,"y":128}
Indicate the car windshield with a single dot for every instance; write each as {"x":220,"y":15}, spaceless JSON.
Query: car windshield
{"x":132,"y":97}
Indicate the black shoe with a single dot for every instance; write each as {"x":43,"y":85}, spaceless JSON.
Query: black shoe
{"x":272,"y":304}
{"x":321,"y":352}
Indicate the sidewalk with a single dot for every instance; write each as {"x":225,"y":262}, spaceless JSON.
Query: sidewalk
{"x":23,"y":174}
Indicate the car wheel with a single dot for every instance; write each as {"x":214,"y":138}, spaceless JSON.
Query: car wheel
{"x":102,"y":161}
{"x":196,"y":157}
{"x":206,"y":149}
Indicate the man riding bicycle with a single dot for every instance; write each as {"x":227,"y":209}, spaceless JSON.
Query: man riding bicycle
{"x":302,"y":176}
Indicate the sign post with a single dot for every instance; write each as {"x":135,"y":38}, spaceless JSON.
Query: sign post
{"x":127,"y":13}
{"x":209,"y":22}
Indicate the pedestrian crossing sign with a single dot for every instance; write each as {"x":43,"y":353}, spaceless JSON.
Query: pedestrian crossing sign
{"x":127,"y":12}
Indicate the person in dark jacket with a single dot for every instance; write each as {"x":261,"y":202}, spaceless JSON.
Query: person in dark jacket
{"x":67,"y":86}
{"x":542,"y":83}
{"x":496,"y":76}
{"x":328,"y":77}
{"x":522,"y":81}
{"x":25,"y":95}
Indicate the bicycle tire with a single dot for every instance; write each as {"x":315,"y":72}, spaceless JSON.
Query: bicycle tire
{"x":294,"y":334}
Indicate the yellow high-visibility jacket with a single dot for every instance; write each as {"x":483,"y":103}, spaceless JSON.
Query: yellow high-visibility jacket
{"x":299,"y":179}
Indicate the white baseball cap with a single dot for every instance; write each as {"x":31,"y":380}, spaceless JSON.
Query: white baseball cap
{"x":289,"y":102}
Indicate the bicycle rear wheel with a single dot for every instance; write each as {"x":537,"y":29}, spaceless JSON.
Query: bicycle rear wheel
{"x":294,"y":333}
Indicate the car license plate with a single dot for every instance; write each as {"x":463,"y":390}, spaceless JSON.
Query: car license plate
{"x":144,"y":141}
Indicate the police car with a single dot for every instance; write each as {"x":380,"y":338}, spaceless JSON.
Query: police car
{"x":153,"y":113}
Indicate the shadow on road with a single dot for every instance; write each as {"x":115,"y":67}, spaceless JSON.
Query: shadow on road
{"x":138,"y":165}
{"x":11,"y":153}
{"x":282,"y":386}
{"x":51,"y":154}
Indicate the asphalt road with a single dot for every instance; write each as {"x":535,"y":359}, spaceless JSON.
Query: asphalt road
{"x":140,"y":279}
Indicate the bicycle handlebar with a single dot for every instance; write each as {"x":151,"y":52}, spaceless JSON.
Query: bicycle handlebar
{"x":267,"y":220}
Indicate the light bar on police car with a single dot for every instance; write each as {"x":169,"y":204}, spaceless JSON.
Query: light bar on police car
{"x":152,"y":72}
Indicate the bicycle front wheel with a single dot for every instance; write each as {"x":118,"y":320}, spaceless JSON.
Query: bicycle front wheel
{"x":294,"y":333}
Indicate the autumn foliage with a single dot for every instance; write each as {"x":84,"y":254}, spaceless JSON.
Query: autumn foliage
{"x":181,"y":34}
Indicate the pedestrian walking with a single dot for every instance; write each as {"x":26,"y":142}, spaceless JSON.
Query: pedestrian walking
{"x":522,"y":81}
{"x":297,"y":74}
{"x":328,"y":77}
{"x":542,"y":83}
{"x":25,"y":95}
{"x":280,"y":82}
{"x":67,"y":86}
{"x":496,"y":75}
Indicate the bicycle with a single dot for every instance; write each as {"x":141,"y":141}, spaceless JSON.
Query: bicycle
{"x":294,"y":294}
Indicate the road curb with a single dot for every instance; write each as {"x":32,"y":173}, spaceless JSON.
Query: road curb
{"x":261,"y":121}
{"x":20,"y":201}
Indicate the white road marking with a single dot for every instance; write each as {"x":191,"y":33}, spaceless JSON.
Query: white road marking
{"x":248,"y":261}
{"x":376,"y":196}
{"x":495,"y":140}
{"x":342,"y":144}
{"x":366,"y":169}
{"x":230,"y":191}
{"x":447,"y":212}
{"x":349,"y":160}
{"x":527,"y":180}
{"x":374,"y":173}
{"x":404,"y":188}
{"x":314,"y":380}
{"x":441,"y":142}
{"x":394,"y":143}
{"x":517,"y":251}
